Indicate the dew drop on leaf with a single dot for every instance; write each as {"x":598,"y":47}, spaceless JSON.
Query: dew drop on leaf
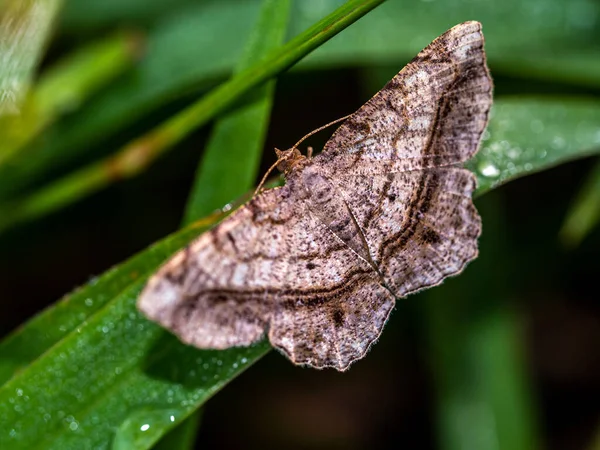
{"x":143,"y":427}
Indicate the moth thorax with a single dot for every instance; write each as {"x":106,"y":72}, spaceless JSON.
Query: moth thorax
{"x":288,"y":159}
{"x":318,"y":187}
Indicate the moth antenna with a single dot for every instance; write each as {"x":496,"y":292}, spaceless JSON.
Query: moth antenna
{"x":320,"y":129}
{"x":289,"y":153}
{"x":264,"y":178}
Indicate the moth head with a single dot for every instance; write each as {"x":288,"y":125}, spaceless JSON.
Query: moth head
{"x":288,"y":159}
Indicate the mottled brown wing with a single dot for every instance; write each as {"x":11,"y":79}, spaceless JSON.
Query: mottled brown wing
{"x":272,"y":266}
{"x":420,"y":226}
{"x":431,"y":114}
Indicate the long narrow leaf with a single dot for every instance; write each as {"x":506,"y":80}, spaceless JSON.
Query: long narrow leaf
{"x":230,"y":161}
{"x":24,"y":31}
{"x":526,"y":135}
{"x":64,"y":87}
{"x":584,"y":214}
{"x":135,"y":156}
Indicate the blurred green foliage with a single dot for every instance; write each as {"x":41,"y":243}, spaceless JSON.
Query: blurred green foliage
{"x":138,"y":77}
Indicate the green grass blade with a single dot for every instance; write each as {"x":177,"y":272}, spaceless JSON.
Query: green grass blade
{"x":64,"y":87}
{"x":526,"y":135}
{"x":132,"y":377}
{"x":239,"y":135}
{"x":584,"y":213}
{"x":230,"y":162}
{"x":188,"y":50}
{"x":135,"y":156}
{"x":126,"y":379}
{"x":25,"y":27}
{"x":29,"y":342}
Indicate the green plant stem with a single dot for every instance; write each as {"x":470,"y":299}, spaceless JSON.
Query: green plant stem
{"x":240,"y":134}
{"x":584,"y":213}
{"x":138,"y":154}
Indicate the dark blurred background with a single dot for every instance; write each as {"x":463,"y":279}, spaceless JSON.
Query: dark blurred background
{"x":524,"y":277}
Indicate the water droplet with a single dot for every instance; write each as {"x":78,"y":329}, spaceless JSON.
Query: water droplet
{"x":89,"y":302}
{"x":143,"y":427}
{"x":558,"y":142}
{"x":489,"y":170}
{"x":513,"y":152}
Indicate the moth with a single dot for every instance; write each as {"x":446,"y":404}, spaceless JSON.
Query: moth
{"x":383,"y":211}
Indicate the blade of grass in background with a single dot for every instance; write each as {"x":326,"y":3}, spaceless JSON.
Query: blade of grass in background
{"x":168,"y":70}
{"x":155,"y":382}
{"x":232,"y":156}
{"x":526,"y":135}
{"x":231,"y":159}
{"x":548,"y":39}
{"x":584,"y":213}
{"x":24,"y":32}
{"x":64,"y":87}
{"x":135,"y":156}
{"x":483,"y":395}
